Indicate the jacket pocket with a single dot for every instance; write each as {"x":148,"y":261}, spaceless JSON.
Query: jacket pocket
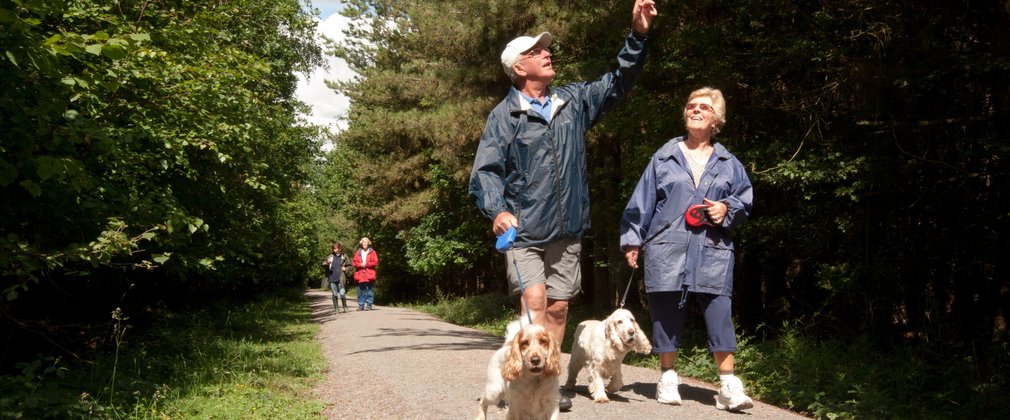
{"x":665,"y":260}
{"x":717,"y":271}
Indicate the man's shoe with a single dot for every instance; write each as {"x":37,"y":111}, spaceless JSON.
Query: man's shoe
{"x":731,"y":396}
{"x":565,"y":403}
{"x":666,"y":389}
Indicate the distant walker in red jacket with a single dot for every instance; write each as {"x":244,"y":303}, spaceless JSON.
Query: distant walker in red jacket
{"x":365,"y":261}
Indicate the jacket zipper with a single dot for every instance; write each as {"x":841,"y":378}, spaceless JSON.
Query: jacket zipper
{"x":557,"y":181}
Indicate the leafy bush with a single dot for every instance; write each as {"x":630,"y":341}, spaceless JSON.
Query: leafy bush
{"x":156,"y":137}
{"x":855,"y":378}
{"x":488,"y":312}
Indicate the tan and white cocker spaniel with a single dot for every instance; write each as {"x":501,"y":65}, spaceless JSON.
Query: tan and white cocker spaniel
{"x":525,"y":373}
{"x":600,"y":347}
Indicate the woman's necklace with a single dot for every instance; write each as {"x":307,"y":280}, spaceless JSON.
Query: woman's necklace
{"x":697,"y":166}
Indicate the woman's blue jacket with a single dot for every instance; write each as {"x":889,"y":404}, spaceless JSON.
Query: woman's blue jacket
{"x":678,"y":256}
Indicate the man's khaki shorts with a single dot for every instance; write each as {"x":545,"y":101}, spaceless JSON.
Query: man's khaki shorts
{"x":556,"y":264}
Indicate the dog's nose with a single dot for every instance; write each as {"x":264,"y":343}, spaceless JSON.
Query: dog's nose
{"x":535,"y":360}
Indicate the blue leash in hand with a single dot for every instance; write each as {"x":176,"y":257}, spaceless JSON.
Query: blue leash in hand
{"x":504,"y":244}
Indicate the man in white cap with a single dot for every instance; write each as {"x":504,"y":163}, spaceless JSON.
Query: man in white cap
{"x":530,"y":168}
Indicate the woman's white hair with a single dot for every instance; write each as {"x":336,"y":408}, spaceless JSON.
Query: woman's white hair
{"x":718,"y":105}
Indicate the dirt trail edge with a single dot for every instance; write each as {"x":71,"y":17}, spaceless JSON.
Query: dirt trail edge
{"x":395,"y":363}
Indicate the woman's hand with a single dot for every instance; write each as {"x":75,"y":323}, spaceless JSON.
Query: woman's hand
{"x":631,"y":254}
{"x":717,"y":211}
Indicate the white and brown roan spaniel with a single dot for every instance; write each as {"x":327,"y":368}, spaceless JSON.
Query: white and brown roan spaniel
{"x":600,"y":347}
{"x":525,"y":373}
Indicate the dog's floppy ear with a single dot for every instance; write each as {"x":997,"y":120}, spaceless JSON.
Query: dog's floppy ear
{"x":512,"y":369}
{"x":615,"y":338}
{"x":611,"y":332}
{"x":552,"y":367}
{"x":642,"y":344}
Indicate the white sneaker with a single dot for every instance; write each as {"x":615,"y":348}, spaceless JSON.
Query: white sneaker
{"x":666,"y":389}
{"x":731,"y":396}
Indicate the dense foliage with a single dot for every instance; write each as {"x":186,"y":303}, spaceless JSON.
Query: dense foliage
{"x":152,"y":152}
{"x":875,"y":132}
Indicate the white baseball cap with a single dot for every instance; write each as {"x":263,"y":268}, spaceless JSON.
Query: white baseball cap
{"x":515,"y":49}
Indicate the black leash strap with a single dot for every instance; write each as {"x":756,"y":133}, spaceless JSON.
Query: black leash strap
{"x":627,"y":288}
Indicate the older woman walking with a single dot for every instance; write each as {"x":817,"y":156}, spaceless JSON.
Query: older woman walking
{"x":691,"y":195}
{"x":365,"y":261}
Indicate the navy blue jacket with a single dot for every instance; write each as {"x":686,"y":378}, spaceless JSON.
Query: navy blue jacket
{"x":536,"y":169}
{"x":676,"y":255}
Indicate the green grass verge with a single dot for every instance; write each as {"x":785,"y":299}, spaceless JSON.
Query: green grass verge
{"x":829,"y":379}
{"x":232,"y":360}
{"x":489,"y":313}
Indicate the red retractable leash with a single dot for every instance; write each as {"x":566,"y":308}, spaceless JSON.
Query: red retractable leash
{"x":697,"y":216}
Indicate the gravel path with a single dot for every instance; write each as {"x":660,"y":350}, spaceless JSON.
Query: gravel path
{"x":395,"y":363}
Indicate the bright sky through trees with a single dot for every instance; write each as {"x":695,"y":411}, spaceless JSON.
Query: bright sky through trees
{"x":328,"y":107}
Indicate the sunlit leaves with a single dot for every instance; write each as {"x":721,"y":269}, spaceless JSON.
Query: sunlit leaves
{"x":148,"y":114}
